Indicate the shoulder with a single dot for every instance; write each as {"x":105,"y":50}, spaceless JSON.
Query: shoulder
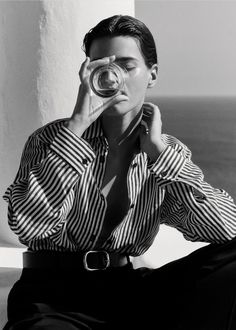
{"x":40,"y":139}
{"x":177,"y":145}
{"x":48,"y":132}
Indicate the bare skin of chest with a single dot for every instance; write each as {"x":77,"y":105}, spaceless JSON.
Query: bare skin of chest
{"x":114,"y":188}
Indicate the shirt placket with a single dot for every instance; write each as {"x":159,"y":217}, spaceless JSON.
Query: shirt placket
{"x":100,"y":166}
{"x":131,"y":178}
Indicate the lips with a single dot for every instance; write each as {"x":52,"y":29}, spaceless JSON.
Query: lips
{"x":123,"y":93}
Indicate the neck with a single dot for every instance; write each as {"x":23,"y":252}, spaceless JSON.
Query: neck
{"x":120,"y":130}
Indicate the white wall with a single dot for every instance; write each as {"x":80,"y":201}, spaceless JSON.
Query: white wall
{"x":40,"y":56}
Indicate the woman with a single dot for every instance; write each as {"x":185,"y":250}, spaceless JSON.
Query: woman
{"x":93,"y":189}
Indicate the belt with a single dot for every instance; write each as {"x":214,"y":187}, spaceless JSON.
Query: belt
{"x":89,"y":260}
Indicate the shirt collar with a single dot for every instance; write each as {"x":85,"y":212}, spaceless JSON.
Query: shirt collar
{"x":94,"y":130}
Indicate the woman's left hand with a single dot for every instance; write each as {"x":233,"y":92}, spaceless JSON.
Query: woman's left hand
{"x":151,"y":129}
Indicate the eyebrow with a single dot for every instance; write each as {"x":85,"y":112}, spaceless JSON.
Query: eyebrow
{"x":125,"y":59}
{"x":120,"y":59}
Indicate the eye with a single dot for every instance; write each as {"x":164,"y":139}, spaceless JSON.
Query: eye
{"x":129,"y":67}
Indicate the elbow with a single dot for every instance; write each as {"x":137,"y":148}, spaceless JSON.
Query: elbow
{"x":229,"y":235}
{"x":227,"y":232}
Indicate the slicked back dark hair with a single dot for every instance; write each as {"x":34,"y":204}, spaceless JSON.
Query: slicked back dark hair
{"x":128,"y":26}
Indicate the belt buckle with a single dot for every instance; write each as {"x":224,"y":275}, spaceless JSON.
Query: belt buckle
{"x":106,"y":258}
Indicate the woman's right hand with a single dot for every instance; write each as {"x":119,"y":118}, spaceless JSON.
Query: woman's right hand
{"x":88,"y":105}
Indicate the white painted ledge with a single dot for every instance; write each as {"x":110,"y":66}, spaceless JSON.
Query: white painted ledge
{"x":11,"y":257}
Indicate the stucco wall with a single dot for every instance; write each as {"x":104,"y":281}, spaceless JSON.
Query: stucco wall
{"x":40,"y":55}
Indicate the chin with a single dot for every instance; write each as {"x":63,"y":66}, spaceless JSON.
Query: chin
{"x":118,"y":109}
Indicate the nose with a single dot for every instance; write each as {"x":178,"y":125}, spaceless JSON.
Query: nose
{"x":108,"y":79}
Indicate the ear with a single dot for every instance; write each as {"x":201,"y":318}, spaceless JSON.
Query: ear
{"x":153,"y":76}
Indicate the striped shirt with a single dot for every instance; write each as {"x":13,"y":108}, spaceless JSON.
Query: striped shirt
{"x":56,"y":202}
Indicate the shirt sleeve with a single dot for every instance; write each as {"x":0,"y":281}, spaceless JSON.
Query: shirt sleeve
{"x":42,"y":193}
{"x":191,"y":205}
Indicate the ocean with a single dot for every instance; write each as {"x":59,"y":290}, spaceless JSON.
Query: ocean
{"x":207,"y":125}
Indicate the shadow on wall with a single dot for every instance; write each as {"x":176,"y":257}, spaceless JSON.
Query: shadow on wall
{"x":20,"y":43}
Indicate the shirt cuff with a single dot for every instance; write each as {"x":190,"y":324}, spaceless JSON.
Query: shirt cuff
{"x":73,"y":149}
{"x":168,"y":165}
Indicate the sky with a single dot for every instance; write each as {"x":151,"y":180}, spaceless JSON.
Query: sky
{"x":196,"y":45}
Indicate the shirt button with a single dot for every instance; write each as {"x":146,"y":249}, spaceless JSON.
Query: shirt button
{"x":164,"y":173}
{"x":85,"y":161}
{"x":135,"y":165}
{"x":198,"y":194}
{"x":109,"y":241}
{"x":92,"y":238}
{"x":132,"y":205}
{"x":102,"y":159}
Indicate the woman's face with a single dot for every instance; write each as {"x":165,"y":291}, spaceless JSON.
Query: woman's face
{"x":139,"y":77}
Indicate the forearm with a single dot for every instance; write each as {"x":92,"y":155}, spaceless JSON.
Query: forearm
{"x":76,"y":125}
{"x":42,"y":193}
{"x":36,"y":202}
{"x":203,"y":212}
{"x":207,"y":217}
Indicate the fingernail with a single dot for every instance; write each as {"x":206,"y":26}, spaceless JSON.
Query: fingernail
{"x":143,"y":123}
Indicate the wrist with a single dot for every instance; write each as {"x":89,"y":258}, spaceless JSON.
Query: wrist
{"x":76,"y":126}
{"x":155,"y":150}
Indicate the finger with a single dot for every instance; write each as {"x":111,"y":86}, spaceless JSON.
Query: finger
{"x":147,"y":113}
{"x":147,"y":106}
{"x":144,"y":124}
{"x":115,"y":99}
{"x":103,"y":105}
{"x":150,"y":105}
{"x":151,"y":109}
{"x":103,"y":61}
{"x":83,"y":67}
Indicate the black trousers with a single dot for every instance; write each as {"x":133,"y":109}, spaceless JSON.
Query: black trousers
{"x":197,"y":292}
